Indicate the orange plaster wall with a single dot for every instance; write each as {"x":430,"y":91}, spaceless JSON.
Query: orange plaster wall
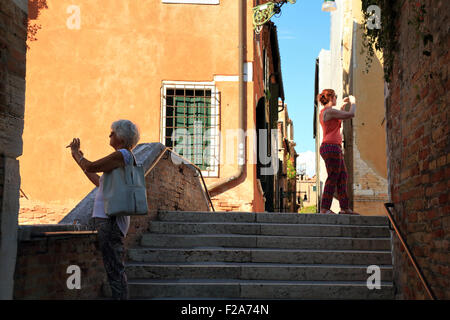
{"x":80,"y":81}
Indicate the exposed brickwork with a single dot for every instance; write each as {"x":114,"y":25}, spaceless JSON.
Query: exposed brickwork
{"x":417,"y":115}
{"x":41,"y":268}
{"x":228,"y":202}
{"x":369,"y":187}
{"x":32,"y":212}
{"x":169,"y":187}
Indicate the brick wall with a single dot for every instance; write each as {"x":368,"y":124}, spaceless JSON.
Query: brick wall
{"x":229,"y":201}
{"x":42,"y":262}
{"x":36,"y":212}
{"x":417,"y":114}
{"x":41,"y":269}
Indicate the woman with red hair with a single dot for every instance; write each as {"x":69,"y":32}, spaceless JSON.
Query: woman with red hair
{"x":331,"y":150}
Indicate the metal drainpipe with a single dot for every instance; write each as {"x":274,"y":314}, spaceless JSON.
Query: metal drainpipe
{"x":221,"y":185}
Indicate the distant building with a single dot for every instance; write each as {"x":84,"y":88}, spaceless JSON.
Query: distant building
{"x":287,"y":158}
{"x":306,"y":191}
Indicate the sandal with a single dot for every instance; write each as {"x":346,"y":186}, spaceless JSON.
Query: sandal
{"x":350,"y":212}
{"x":328,"y":212}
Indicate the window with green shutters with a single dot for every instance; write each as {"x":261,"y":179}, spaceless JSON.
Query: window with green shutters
{"x":190,"y":124}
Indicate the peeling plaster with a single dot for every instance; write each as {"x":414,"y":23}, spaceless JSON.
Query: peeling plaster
{"x":364,"y":167}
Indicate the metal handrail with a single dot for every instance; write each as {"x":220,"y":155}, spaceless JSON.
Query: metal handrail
{"x":198,"y":169}
{"x":408,"y":252}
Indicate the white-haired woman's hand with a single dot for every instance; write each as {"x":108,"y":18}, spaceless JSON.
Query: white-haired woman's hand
{"x":74,"y":146}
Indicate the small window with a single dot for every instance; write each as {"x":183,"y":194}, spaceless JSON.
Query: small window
{"x":314,"y":188}
{"x":191,"y":123}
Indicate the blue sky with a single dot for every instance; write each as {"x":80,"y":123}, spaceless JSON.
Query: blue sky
{"x":303,"y":30}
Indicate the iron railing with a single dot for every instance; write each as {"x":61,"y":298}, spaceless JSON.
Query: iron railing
{"x":408,"y":251}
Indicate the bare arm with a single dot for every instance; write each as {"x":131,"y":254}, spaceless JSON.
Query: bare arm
{"x":106,"y":164}
{"x":95,"y":178}
{"x":341,"y":114}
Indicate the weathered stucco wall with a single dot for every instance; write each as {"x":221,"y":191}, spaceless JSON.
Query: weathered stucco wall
{"x":342,"y":68}
{"x":112,"y":68}
{"x":367,"y":130}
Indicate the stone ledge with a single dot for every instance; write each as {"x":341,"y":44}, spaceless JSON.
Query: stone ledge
{"x":37,"y":232}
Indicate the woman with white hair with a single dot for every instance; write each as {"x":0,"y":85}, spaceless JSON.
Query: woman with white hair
{"x":111,"y":230}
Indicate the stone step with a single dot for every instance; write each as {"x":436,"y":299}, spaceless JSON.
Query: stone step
{"x":253,"y":271}
{"x":292,"y":218}
{"x":257,"y":289}
{"x":260,"y":255}
{"x":306,"y":230}
{"x":260,"y":241}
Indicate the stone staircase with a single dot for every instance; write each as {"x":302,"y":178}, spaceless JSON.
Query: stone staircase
{"x":237,"y":255}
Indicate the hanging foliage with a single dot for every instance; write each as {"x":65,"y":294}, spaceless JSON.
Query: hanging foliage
{"x":422,"y":32}
{"x":380,"y":39}
{"x":34,"y":8}
{"x":384,"y":39}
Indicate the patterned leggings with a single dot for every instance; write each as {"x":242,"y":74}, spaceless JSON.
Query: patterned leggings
{"x":337,"y":175}
{"x":110,"y":240}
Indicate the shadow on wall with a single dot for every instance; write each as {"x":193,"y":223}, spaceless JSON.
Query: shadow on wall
{"x":34,"y":10}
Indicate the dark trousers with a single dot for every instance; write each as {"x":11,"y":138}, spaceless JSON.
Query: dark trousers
{"x":111,"y":242}
{"x":337,"y":175}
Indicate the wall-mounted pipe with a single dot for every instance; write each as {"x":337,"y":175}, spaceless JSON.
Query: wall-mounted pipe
{"x":223,"y":184}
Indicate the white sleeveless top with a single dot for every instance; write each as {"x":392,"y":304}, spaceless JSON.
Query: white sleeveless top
{"x":99,"y":208}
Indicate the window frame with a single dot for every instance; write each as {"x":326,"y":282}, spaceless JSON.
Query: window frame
{"x":215,"y":119}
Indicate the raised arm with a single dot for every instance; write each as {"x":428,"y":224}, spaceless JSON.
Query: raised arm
{"x":341,"y":114}
{"x":95,"y":178}
{"x":106,"y":164}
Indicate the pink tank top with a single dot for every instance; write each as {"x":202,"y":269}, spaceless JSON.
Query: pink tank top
{"x":331,"y":129}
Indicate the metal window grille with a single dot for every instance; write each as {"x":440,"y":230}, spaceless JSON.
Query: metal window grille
{"x":191,"y":124}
